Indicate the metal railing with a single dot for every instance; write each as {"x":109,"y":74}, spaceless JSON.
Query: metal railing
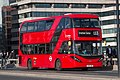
{"x":5,"y":62}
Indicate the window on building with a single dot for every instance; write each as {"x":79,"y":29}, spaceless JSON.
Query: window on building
{"x":42,"y":5}
{"x":78,"y":6}
{"x":109,"y":31}
{"x":110,"y":5}
{"x":19,"y":0}
{"x":15,"y":34}
{"x":61,"y":6}
{"x":108,"y":22}
{"x":48,"y":14}
{"x":8,"y":13}
{"x":112,"y":39}
{"x":8,"y":19}
{"x":95,"y":5}
{"x":26,"y":15}
{"x":15,"y":42}
{"x":21,"y":16}
{"x":9,"y":25}
{"x":15,"y":17}
{"x":15,"y":25}
{"x":12,"y":1}
{"x":108,"y":13}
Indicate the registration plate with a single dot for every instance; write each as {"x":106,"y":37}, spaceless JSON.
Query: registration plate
{"x":89,"y":66}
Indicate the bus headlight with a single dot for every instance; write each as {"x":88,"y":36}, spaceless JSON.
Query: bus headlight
{"x":96,"y":33}
{"x":75,"y":58}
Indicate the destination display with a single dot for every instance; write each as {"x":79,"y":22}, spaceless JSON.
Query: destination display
{"x":88,"y":33}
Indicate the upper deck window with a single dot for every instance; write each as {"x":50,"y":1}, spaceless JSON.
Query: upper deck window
{"x":41,"y":25}
{"x":49,"y":24}
{"x":31,"y":27}
{"x":64,"y":23}
{"x":24,"y":28}
{"x":37,"y":26}
{"x":77,"y":22}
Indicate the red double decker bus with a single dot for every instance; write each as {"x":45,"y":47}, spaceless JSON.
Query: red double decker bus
{"x":67,"y":41}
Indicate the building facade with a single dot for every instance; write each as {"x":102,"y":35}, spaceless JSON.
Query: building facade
{"x":2,"y":3}
{"x":31,"y":9}
{"x":1,"y":39}
{"x":7,"y":25}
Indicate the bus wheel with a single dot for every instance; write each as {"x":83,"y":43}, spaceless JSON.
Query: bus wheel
{"x":58,"y":65}
{"x":29,"y":65}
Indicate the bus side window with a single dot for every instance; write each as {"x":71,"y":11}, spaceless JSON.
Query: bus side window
{"x":36,"y":26}
{"x":51,"y":48}
{"x":35,"y":49}
{"x":47,"y":48}
{"x":41,"y":25}
{"x":32,"y":49}
{"x":77,"y":22}
{"x":49,"y":24}
{"x":41,"y":48}
{"x":67,"y":22}
{"x":61,"y":25}
{"x":25,"y":49}
{"x":28,"y":49}
{"x":63,"y":48}
{"x":23,"y":28}
{"x":30,"y":27}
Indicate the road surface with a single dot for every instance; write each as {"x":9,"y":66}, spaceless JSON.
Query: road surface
{"x":45,"y":74}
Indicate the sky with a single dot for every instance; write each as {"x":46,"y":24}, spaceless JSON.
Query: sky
{"x":2,"y":2}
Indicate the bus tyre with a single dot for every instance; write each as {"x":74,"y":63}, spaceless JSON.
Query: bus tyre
{"x":29,"y":65}
{"x":58,"y":65}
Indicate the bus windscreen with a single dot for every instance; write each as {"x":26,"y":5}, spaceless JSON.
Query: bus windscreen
{"x":87,"y":48}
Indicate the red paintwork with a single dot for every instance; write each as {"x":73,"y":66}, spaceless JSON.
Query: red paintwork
{"x":43,"y":61}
